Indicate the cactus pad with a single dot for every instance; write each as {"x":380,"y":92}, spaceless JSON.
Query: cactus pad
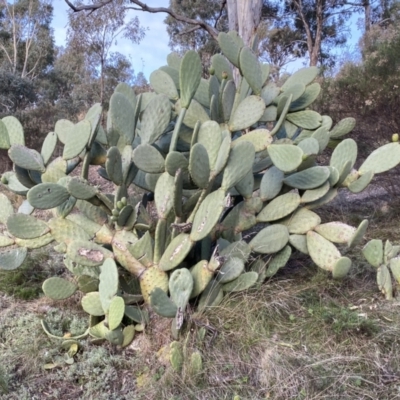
{"x":270,"y":239}
{"x":12,"y":259}
{"x":279,"y":208}
{"x":323,"y":252}
{"x":58,"y":288}
{"x":373,"y":252}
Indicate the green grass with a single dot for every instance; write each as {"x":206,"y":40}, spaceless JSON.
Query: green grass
{"x":25,"y":283}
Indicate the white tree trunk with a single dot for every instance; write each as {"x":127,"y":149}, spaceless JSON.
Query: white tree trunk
{"x":244,"y":17}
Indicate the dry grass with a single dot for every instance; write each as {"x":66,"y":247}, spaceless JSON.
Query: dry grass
{"x":301,"y":335}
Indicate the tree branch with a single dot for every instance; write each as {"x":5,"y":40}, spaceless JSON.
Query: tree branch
{"x":89,"y":7}
{"x":144,"y":7}
{"x":195,"y":28}
{"x":223,"y":5}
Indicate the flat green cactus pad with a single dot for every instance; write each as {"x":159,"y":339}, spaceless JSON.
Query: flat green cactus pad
{"x":345,"y":151}
{"x":307,"y":119}
{"x":303,"y":75}
{"x":163,"y":83}
{"x":6,"y":241}
{"x":202,"y":275}
{"x":279,"y":208}
{"x":26,"y":158}
{"x":302,"y":221}
{"x":176,"y":252}
{"x":336,"y":232}
{"x":223,"y":154}
{"x":6,"y":209}
{"x":149,"y":159}
{"x":87,"y":253}
{"x":323,"y":252}
{"x":309,"y":178}
{"x":395,"y":268}
{"x":155,"y":119}
{"x":116,"y":312}
{"x":92,"y":305}
{"x":4,"y":139}
{"x":384,"y":281}
{"x":358,"y":234}
{"x":48,"y":147}
{"x":221,"y":66}
{"x":14,"y":129}
{"x":210,"y":137}
{"x":108,"y":286}
{"x":240,"y":161}
{"x":279,"y":261}
{"x":231,"y":270}
{"x":382,"y":159}
{"x":271,"y":183}
{"x":62,"y":129}
{"x":315,"y":194}
{"x":47,"y":195}
{"x":81,"y":189}
{"x":342,"y":128}
{"x":77,"y":139}
{"x":361,"y":183}
{"x":208,"y":215}
{"x":201,"y":94}
{"x":247,"y":113}
{"x":120,"y":117}
{"x":341,"y":268}
{"x":239,"y":249}
{"x":229,"y":47}
{"x":308,"y":97}
{"x":270,"y":239}
{"x":58,"y":288}
{"x":199,"y":165}
{"x":245,"y":186}
{"x":373,"y":252}
{"x":164,"y":194}
{"x":162,"y":304}
{"x":310,"y":146}
{"x":211,"y":296}
{"x":180,"y":287}
{"x":189,"y":76}
{"x":285,"y":157}
{"x":259,"y":138}
{"x":299,"y":242}
{"x":228,"y":100}
{"x":251,"y":69}
{"x":128,"y":92}
{"x":12,"y":259}
{"x":243,"y":282}
{"x":26,"y":226}
{"x":128,"y":333}
{"x":114,"y":165}
{"x":174,"y":60}
{"x":329,"y":196}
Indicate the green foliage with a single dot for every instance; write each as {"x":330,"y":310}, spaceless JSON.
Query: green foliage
{"x":196,"y":160}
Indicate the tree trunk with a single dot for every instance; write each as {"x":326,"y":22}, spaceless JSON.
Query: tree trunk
{"x":244,"y":17}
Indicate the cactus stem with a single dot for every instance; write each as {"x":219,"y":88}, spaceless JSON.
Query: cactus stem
{"x":85,"y":166}
{"x":175,"y":134}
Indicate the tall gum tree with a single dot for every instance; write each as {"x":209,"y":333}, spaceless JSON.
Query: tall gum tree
{"x":244,"y":15}
{"x":95,"y":32}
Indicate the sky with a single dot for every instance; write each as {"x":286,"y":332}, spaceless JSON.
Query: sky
{"x":152,"y":52}
{"x":145,"y":57}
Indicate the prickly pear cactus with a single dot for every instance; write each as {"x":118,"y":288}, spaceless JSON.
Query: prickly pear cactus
{"x":215,"y":157}
{"x":386,"y":260}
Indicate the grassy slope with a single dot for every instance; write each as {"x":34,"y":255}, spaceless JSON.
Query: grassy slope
{"x":300,"y":336}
